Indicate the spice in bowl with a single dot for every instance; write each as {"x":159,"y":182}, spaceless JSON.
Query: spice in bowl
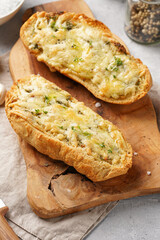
{"x":143,"y":20}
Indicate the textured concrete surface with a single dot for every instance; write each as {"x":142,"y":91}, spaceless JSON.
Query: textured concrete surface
{"x":132,"y":219}
{"x":137,"y":218}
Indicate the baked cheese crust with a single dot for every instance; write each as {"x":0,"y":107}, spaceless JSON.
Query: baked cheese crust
{"x":58,"y":125}
{"x":86,"y":51}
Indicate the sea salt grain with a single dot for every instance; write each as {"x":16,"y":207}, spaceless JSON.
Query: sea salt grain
{"x":148,"y":173}
{"x":98,"y":104}
{"x":7,"y":6}
{"x":135,"y":153}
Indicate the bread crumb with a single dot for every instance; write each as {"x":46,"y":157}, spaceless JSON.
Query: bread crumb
{"x":148,"y":173}
{"x":135,"y":153}
{"x":98,"y":104}
{"x":46,"y":165}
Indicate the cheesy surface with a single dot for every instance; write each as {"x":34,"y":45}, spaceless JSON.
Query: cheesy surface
{"x":84,"y":51}
{"x":56,"y":113}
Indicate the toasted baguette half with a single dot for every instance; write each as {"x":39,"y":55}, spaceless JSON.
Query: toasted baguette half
{"x":58,"y":125}
{"x":86,"y":51}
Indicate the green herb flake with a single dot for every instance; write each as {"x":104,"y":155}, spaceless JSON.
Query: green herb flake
{"x":53,"y":24}
{"x":46,"y":99}
{"x":61,"y":127}
{"x":37,"y":112}
{"x":106,"y":69}
{"x":87,"y":134}
{"x":78,"y":59}
{"x":102,"y":145}
{"x":73,"y":128}
{"x":118,"y":61}
{"x":109,"y":151}
{"x":45,"y":112}
{"x":114,"y":76}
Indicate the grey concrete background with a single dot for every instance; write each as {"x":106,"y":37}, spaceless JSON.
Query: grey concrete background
{"x":136,"y":218}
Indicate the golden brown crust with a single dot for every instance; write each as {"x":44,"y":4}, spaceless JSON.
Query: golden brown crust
{"x":145,"y":87}
{"x":73,"y":156}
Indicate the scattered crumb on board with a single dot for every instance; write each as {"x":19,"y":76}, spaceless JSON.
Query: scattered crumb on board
{"x":135,"y":153}
{"x":97,"y":104}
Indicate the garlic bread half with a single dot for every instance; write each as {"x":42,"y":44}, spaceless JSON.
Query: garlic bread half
{"x":58,"y":125}
{"x":86,"y":51}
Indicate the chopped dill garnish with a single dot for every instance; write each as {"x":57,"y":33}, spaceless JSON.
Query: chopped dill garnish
{"x":45,"y":112}
{"x":87,"y":134}
{"x":78,"y":59}
{"x":102,"y":145}
{"x":37,"y":112}
{"x":46,"y":99}
{"x":109,"y":150}
{"x":118,"y":61}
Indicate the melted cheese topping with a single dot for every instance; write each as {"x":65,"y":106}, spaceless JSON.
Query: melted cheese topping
{"x":84,"y":51}
{"x":56,"y":113}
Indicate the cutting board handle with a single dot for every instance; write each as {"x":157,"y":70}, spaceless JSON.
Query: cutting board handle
{"x":6,"y":232}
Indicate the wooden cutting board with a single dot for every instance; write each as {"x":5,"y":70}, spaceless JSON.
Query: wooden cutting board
{"x":53,"y":188}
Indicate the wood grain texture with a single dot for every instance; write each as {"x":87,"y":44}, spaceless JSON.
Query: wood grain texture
{"x":6,"y":232}
{"x":53,"y":188}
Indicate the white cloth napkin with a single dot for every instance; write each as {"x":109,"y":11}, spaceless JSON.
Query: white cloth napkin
{"x":13,"y":187}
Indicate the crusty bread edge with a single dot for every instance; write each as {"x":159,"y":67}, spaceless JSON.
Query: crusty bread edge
{"x":94,"y":170}
{"x":148,"y":79}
